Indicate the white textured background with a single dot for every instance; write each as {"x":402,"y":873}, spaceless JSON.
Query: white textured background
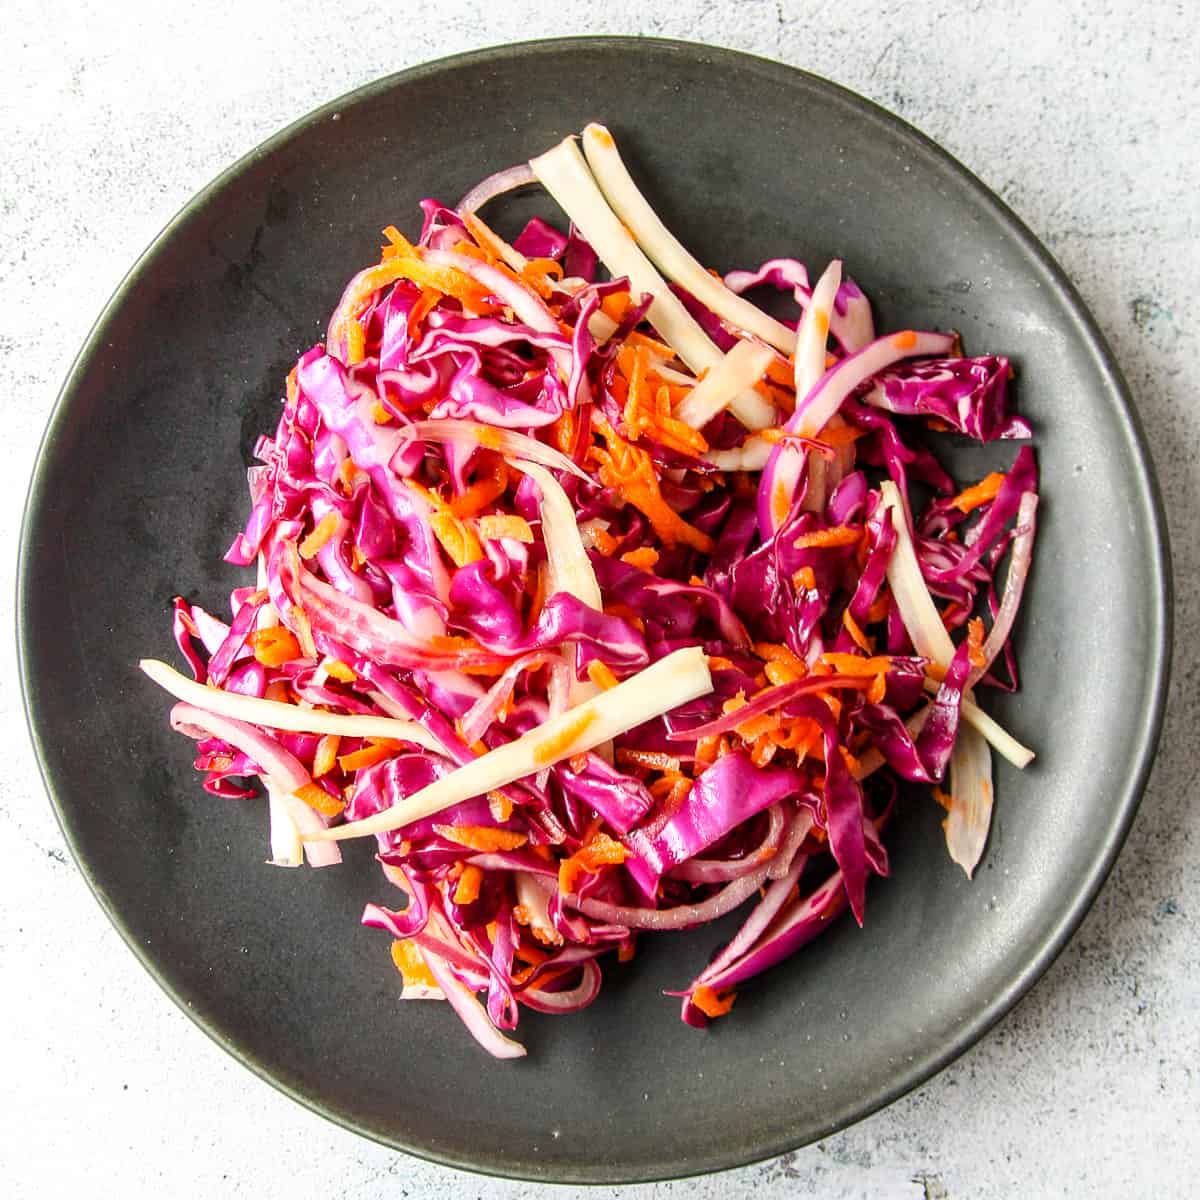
{"x":1081,"y":115}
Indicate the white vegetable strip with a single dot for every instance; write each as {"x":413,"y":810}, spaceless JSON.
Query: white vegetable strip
{"x":291,"y":717}
{"x":507,"y":441}
{"x":564,"y":174}
{"x":667,"y":252}
{"x":570,"y":568}
{"x":970,"y":815}
{"x":812,"y":334}
{"x":287,"y":850}
{"x":738,"y":370}
{"x":674,"y":680}
{"x":917,"y":609}
{"x":751,"y":455}
{"x":472,"y":1013}
{"x":997,"y":736}
{"x":924,"y":624}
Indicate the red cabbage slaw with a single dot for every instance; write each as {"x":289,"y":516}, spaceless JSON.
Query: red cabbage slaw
{"x":607,"y":602}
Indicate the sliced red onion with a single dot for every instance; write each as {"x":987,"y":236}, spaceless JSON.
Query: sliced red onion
{"x":476,"y":721}
{"x":580,"y":996}
{"x":472,"y":1013}
{"x":495,"y":185}
{"x":712,"y":870}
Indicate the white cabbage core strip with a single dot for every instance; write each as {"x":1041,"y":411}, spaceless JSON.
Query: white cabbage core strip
{"x":970,"y":816}
{"x":668,"y":683}
{"x":924,"y":625}
{"x":740,"y":369}
{"x":666,"y":251}
{"x":564,"y":174}
{"x":275,"y":715}
{"x":569,"y":566}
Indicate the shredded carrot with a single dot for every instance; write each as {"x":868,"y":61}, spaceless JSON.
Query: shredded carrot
{"x":482,"y":838}
{"x":861,"y":640}
{"x":879,"y":607}
{"x":626,"y":950}
{"x":600,"y":673}
{"x":278,"y":691}
{"x":483,"y":491}
{"x":336,"y":669}
{"x":780,"y":673}
{"x":630,"y":471}
{"x":644,"y":557}
{"x":469,"y":882}
{"x":839,"y":535}
{"x":763,"y":750}
{"x":878,"y":690}
{"x":603,"y":541}
{"x":981,"y":493}
{"x":368,"y":756}
{"x":320,"y":535}
{"x":274,"y":645}
{"x":655,"y":760}
{"x":539,"y":595}
{"x":905,"y":340}
{"x":406,"y":957}
{"x":326,"y":755}
{"x":564,"y":432}
{"x":805,"y":579}
{"x":711,"y":1004}
{"x":347,"y":472}
{"x":315,"y":796}
{"x":598,"y":851}
{"x":398,"y":243}
{"x":775,"y":652}
{"x":500,"y":806}
{"x":943,"y":798}
{"x":553,"y":747}
{"x":455,"y":538}
{"x":852,"y":664}
{"x":424,"y":304}
{"x":503,"y":526}
{"x":975,"y":643}
{"x":717,"y":662}
{"x":707,"y":749}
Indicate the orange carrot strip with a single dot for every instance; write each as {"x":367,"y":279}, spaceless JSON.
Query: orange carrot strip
{"x":336,"y":669}
{"x":368,"y":756}
{"x":469,"y":882}
{"x":274,"y":645}
{"x":839,"y":535}
{"x":852,"y":627}
{"x":601,"y":675}
{"x":971,"y":498}
{"x":711,"y":1004}
{"x":406,"y":958}
{"x":315,"y":796}
{"x":482,"y":838}
{"x":975,"y":643}
{"x":644,"y":557}
{"x":319,"y":536}
{"x":500,"y":806}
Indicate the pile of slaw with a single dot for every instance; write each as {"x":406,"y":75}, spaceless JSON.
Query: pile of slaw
{"x":607,"y":602}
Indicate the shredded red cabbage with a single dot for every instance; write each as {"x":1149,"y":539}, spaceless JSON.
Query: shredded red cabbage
{"x":426,"y":597}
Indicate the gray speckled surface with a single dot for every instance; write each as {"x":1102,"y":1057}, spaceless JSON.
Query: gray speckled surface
{"x":113,"y":117}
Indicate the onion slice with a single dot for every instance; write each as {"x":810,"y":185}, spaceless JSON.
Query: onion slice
{"x":495,"y":185}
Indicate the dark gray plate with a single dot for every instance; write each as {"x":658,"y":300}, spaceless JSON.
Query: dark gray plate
{"x":140,"y":486}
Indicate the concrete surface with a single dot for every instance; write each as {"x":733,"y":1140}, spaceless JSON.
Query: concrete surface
{"x":1081,"y":115}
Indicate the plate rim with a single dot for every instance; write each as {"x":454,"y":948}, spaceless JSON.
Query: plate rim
{"x":1160,"y":639}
